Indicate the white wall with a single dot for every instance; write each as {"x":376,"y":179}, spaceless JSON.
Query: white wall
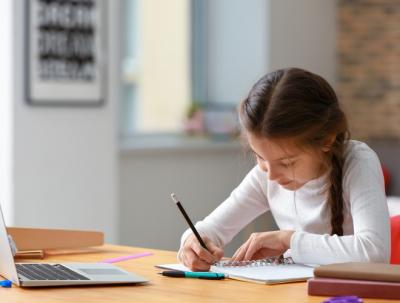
{"x":65,"y":159}
{"x":201,"y":178}
{"x":6,"y":109}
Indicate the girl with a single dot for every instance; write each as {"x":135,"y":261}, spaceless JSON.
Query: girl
{"x":324,"y":190}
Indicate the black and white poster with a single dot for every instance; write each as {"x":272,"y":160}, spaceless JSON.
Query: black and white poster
{"x":66,"y":52}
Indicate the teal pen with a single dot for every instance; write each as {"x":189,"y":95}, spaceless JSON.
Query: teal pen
{"x":193,"y":274}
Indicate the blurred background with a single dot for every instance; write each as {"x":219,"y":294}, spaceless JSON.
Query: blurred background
{"x":109,"y":106}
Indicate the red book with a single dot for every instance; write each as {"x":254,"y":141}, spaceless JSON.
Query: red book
{"x":346,"y":287}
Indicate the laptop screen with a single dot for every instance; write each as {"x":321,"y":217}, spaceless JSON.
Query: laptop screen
{"x":7,"y":265}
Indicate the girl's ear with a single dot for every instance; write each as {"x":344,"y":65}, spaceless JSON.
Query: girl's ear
{"x":327,"y":143}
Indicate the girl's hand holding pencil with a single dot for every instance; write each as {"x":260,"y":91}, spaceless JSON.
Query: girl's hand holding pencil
{"x":196,"y":257}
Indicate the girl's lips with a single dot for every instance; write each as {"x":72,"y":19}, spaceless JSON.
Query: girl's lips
{"x":285,"y":183}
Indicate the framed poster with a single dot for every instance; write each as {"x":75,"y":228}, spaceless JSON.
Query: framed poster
{"x":66,"y":49}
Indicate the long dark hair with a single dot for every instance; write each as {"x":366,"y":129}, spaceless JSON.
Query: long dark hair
{"x":294,"y":103}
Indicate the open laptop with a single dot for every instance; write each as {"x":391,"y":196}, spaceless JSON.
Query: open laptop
{"x":56,"y":274}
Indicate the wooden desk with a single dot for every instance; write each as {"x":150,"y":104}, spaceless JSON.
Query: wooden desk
{"x":159,"y":289}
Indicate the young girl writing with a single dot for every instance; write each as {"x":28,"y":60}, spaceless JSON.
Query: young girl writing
{"x":324,"y":190}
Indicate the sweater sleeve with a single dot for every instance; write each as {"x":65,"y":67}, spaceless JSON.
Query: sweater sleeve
{"x":363,"y":187}
{"x":245,"y":203}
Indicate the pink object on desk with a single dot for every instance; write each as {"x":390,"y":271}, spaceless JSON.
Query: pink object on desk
{"x":124,"y":258}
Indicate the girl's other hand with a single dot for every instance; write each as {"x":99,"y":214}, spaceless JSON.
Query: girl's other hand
{"x":264,"y":245}
{"x":196,"y":257}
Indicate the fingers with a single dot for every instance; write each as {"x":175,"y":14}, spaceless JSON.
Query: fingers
{"x":262,"y":245}
{"x":193,"y":262}
{"x":248,"y":249}
{"x":251,"y":249}
{"x":241,"y":252}
{"x":217,"y":252}
{"x":195,"y":257}
{"x":203,"y":254}
{"x":238,"y":255}
{"x":258,"y":246}
{"x":262,"y":254}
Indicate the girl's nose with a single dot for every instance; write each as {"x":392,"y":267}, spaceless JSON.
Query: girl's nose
{"x":272,"y":174}
{"x":263,"y":166}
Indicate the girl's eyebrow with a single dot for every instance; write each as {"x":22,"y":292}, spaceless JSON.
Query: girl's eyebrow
{"x":288,"y":157}
{"x":257,"y":155}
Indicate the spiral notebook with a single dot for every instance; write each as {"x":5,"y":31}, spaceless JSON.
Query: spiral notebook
{"x":265,"y":271}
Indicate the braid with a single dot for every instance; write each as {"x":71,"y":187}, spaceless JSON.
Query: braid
{"x":335,"y":198}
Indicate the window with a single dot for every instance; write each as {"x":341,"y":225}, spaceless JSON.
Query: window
{"x":180,"y":51}
{"x":156,"y":66}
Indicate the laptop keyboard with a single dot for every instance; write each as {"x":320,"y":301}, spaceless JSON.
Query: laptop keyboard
{"x":48,"y":272}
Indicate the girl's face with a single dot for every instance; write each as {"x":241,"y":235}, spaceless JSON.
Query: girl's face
{"x":287,"y":164}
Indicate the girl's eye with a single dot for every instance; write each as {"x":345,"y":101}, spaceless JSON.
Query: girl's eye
{"x":287,"y":164}
{"x":258,"y":157}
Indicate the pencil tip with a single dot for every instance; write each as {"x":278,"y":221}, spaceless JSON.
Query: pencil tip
{"x":174,"y":198}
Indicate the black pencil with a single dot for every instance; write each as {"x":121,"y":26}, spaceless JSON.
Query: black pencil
{"x":175,"y":199}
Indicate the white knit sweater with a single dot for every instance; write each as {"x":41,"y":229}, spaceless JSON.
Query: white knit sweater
{"x":366,"y":219}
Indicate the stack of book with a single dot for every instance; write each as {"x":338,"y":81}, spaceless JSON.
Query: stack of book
{"x":367,"y":280}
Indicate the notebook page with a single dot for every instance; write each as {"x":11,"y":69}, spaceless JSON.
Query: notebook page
{"x":268,"y":274}
{"x":174,"y":266}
